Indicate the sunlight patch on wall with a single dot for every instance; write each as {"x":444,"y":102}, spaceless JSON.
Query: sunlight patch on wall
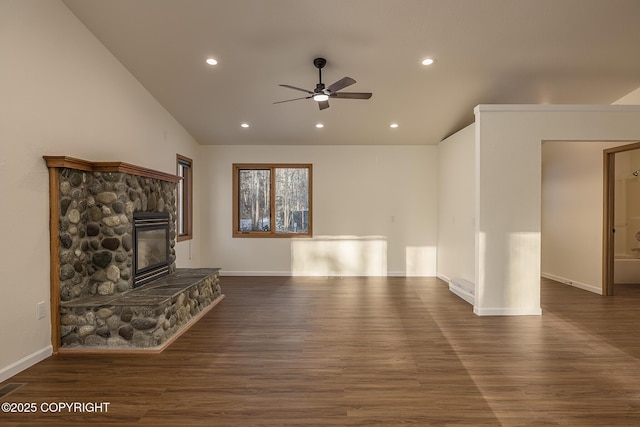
{"x":421,"y":261}
{"x":339,"y":256}
{"x":512,"y":292}
{"x":480,"y":274}
{"x":524,"y":263}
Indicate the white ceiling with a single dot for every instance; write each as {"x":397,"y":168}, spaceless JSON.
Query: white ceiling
{"x":487,"y":51}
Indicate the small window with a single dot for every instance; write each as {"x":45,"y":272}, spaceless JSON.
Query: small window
{"x":185,"y":198}
{"x":272,"y":200}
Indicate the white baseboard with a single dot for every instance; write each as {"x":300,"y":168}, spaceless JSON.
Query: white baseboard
{"x":575,"y":284}
{"x":506,"y":312}
{"x":290,"y":274}
{"x":443,"y":278}
{"x":255,"y":273}
{"x":396,"y":274}
{"x":26,"y":362}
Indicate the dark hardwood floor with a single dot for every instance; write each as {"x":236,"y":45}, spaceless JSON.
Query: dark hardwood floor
{"x":363,"y":352}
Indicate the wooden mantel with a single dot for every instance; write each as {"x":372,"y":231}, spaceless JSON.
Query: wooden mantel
{"x":85,"y":165}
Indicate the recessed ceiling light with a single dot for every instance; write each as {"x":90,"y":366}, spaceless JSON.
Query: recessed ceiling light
{"x":319,"y":125}
{"x":428,"y":61}
{"x":393,"y":125}
{"x":245,"y":125}
{"x":212,"y":61}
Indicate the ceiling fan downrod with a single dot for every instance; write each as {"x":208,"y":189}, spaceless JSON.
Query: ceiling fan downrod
{"x":319,"y":64}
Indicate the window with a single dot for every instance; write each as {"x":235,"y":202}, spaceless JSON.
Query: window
{"x":272,"y":200}
{"x":185,"y":198}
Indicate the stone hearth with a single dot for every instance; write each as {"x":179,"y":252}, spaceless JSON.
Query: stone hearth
{"x":144,"y":317}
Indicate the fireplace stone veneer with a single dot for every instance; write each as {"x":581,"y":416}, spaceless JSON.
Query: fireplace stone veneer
{"x":96,"y":229}
{"x":147,"y":317}
{"x":92,"y":257}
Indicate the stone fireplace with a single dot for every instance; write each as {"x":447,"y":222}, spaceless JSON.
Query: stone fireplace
{"x":114,"y":282}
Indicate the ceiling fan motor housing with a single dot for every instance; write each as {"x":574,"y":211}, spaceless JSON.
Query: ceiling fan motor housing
{"x":319,"y":62}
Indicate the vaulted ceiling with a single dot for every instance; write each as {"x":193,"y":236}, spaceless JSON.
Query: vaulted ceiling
{"x":486,"y":51}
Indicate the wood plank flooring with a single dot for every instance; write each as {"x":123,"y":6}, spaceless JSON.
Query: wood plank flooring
{"x":363,"y":352}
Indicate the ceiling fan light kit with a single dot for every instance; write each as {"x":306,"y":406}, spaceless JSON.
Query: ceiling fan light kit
{"x":321,"y":94}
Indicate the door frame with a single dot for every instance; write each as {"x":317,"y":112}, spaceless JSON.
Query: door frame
{"x":609,"y":181}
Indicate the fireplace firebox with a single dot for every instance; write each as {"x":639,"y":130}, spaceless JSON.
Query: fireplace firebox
{"x":151,"y":246}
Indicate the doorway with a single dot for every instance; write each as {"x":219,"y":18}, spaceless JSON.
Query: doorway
{"x":609,"y":217}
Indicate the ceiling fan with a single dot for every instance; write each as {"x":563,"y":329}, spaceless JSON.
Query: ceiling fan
{"x":321,"y":94}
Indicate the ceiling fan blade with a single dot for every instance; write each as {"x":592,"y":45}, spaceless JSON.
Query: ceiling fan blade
{"x":294,"y":99}
{"x":298,"y":88}
{"x":323,"y":104}
{"x":341,"y":84}
{"x":352,"y":95}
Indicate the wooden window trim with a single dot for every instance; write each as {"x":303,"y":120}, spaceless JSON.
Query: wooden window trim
{"x":187,"y":233}
{"x":235,"y":203}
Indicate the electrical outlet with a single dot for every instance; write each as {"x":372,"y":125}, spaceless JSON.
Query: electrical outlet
{"x":40,"y":310}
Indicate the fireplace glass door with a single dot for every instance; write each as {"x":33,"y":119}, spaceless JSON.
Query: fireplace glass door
{"x":151,"y":236}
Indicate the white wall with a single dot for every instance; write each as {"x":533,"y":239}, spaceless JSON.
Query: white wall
{"x":61,"y":93}
{"x":508,"y":204}
{"x":359,"y":191}
{"x":572,"y":206}
{"x":456,"y":206}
